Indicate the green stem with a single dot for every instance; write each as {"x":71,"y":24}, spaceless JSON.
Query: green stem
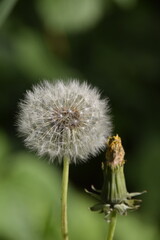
{"x":112,"y":225}
{"x":6,"y":7}
{"x":64,"y":222}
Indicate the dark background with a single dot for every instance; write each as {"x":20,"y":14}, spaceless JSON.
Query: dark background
{"x":114,"y":45}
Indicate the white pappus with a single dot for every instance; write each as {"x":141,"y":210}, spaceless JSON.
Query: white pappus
{"x":64,"y":119}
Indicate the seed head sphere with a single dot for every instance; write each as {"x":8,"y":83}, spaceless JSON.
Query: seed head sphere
{"x":64,"y":119}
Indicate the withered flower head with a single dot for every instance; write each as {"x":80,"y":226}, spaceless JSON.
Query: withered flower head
{"x":115,"y":152}
{"x":114,"y":195}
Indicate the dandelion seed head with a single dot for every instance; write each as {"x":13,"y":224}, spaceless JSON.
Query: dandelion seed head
{"x":64,"y":119}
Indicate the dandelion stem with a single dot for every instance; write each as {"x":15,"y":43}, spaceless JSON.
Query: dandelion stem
{"x":112,"y":225}
{"x":64,"y":222}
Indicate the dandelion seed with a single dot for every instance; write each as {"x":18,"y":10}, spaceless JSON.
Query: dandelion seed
{"x":64,"y":119}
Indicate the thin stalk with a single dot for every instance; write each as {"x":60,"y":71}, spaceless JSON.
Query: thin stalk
{"x":64,"y":221}
{"x":6,"y":7}
{"x":112,"y":225}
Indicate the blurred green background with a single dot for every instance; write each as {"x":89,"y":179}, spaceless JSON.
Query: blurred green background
{"x":113,"y":44}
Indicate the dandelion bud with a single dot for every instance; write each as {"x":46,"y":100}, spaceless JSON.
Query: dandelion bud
{"x":64,"y":119}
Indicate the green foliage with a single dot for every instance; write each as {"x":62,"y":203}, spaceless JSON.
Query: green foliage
{"x":6,"y":7}
{"x":126,"y":3}
{"x":70,"y":15}
{"x":134,"y":227}
{"x":38,"y":60}
{"x":28,"y":189}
